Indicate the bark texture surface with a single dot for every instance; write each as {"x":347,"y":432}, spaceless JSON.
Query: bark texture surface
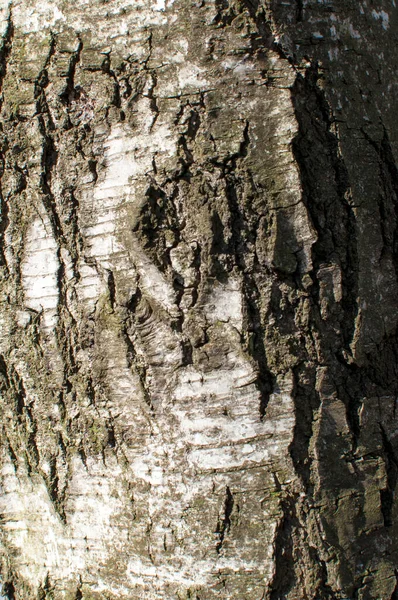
{"x":198,"y":345}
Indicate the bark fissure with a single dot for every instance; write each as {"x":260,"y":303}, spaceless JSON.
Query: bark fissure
{"x":224,"y":524}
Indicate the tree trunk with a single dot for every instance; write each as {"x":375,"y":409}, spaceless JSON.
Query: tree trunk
{"x":198,"y":368}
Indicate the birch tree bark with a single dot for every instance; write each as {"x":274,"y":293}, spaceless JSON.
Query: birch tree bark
{"x":198,"y":351}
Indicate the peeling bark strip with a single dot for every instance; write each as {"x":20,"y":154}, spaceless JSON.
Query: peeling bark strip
{"x":198,"y":308}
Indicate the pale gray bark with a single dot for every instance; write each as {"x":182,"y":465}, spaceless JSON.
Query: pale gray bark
{"x":198,"y":305}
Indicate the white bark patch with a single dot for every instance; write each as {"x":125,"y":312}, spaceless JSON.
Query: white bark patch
{"x":192,"y":76}
{"x":129,"y":154}
{"x":32,"y":526}
{"x":383,"y":16}
{"x":239,"y":66}
{"x":92,"y":504}
{"x":48,"y":15}
{"x":38,"y":16}
{"x":89,"y":287}
{"x":4,"y":12}
{"x":39,"y":272}
{"x":44,"y":543}
{"x":153,"y":282}
{"x":128,"y":158}
{"x":219,"y":420}
{"x":163,"y":4}
{"x":353,"y":32}
{"x":225,"y":304}
{"x":216,"y":430}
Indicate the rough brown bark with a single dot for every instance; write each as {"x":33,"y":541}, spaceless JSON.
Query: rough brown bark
{"x":198,"y":351}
